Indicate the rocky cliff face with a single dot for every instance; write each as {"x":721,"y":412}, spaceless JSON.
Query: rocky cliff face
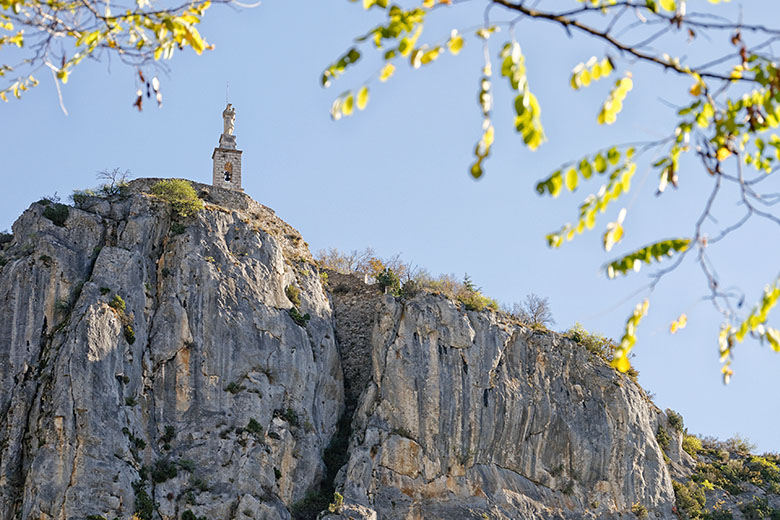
{"x":468,"y":416}
{"x":156,"y":368}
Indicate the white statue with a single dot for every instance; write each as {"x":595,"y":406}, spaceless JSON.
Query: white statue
{"x":229,"y":116}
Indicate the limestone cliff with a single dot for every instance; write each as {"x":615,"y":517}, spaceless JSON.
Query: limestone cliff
{"x":164,"y":369}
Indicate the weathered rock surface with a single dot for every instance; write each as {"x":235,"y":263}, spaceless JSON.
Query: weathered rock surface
{"x":203,"y":394}
{"x":467,"y":416}
{"x":225,"y":400}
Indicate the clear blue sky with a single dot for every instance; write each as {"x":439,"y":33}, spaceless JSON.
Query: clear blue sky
{"x":395,"y":177}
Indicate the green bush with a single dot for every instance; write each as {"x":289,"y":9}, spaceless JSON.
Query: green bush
{"x":144,"y":505}
{"x":595,"y":343}
{"x":187,"y":465}
{"x":728,"y":475}
{"x":5,"y":238}
{"x":57,"y":213}
{"x":293,"y":294}
{"x":759,"y":509}
{"x":718,"y":514}
{"x":163,"y":470}
{"x":177,"y":228}
{"x":138,"y":443}
{"x":180,"y":195}
{"x":80,"y":197}
{"x":117,"y":303}
{"x":233,"y":387}
{"x":689,"y":498}
{"x":471,"y":297}
{"x":675,"y":420}
{"x":129,"y":334}
{"x":475,"y":301}
{"x":662,"y":437}
{"x":691,"y":444}
{"x":288,"y":415}
{"x":310,"y":506}
{"x":639,"y":510}
{"x":598,"y":345}
{"x":764,"y":467}
{"x":337,"y":504}
{"x":740,"y":444}
{"x":410,"y":289}
{"x":168,"y":436}
{"x":254,"y":427}
{"x":388,"y":281}
{"x":298,"y":318}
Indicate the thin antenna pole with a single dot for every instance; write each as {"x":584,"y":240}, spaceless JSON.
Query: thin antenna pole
{"x":227,"y":93}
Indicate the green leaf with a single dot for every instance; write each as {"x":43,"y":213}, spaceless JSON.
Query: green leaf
{"x":593,"y":70}
{"x":476,"y":170}
{"x":613,"y":235}
{"x":655,"y":252}
{"x":571,"y":179}
{"x":600,"y":163}
{"x":753,"y":324}
{"x":668,"y":5}
{"x":556,"y":182}
{"x":620,"y":356}
{"x":455,"y":43}
{"x":362,"y":98}
{"x":349,"y":103}
{"x":586,"y":170}
{"x":613,"y":155}
{"x":387,"y":71}
{"x":430,"y":55}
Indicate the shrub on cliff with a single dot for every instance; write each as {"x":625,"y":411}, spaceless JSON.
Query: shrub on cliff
{"x":57,"y":213}
{"x":180,"y":195}
{"x":472,"y":298}
{"x":388,"y":281}
{"x":5,"y":238}
{"x":597,"y":344}
{"x":691,"y":444}
{"x":689,"y":498}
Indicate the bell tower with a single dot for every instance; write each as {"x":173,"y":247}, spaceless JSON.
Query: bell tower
{"x":227,"y":159}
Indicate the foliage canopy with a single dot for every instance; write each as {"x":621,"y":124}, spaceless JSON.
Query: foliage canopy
{"x":180,"y":195}
{"x":59,"y":35}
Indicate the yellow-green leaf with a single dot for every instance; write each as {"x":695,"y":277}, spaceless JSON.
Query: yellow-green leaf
{"x":362,"y":98}
{"x":620,"y":357}
{"x":349,"y":105}
{"x":387,"y":71}
{"x":455,"y":43}
{"x":571,"y":179}
{"x":557,"y":182}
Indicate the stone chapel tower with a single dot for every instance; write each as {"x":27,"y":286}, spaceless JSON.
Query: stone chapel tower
{"x":227,"y":160}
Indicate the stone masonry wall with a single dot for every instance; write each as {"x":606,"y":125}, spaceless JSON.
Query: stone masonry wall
{"x":356,"y":307}
{"x":221,"y":157}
